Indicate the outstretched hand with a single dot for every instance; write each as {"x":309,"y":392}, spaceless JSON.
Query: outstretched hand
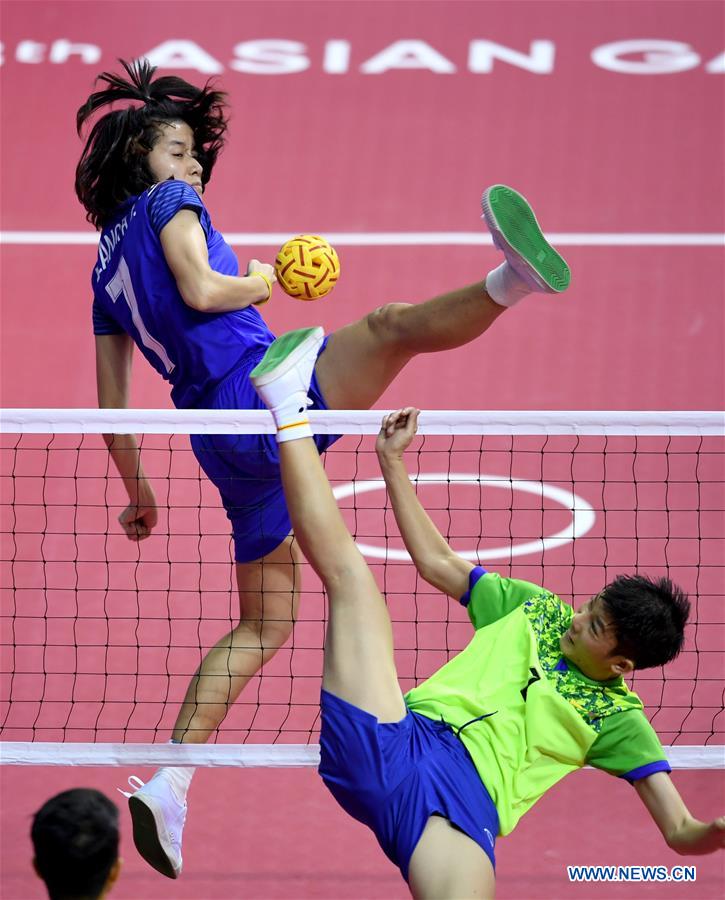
{"x":138,"y":521}
{"x":396,"y":432}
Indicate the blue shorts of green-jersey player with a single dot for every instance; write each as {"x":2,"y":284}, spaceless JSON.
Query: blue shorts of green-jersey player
{"x":394,"y":776}
{"x":245,"y":467}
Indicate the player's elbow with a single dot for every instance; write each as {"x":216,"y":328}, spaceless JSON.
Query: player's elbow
{"x":428,"y":569}
{"x":198,"y":295}
{"x":679,"y":849}
{"x":679,"y":845}
{"x":199,"y":289}
{"x":679,"y":835}
{"x":671,"y":839}
{"x":435,"y":570}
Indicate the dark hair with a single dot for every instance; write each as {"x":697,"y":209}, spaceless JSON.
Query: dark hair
{"x":113,"y":164}
{"x":75,"y":838}
{"x":649,"y":617}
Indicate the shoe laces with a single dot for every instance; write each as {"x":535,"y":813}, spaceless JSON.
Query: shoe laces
{"x":135,"y":782}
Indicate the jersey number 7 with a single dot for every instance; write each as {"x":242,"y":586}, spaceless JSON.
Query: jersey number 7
{"x":121,"y":283}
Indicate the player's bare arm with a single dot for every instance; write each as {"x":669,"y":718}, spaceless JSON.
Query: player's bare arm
{"x":433,"y":558}
{"x":203,"y":289}
{"x":682,"y":832}
{"x":114,"y":354}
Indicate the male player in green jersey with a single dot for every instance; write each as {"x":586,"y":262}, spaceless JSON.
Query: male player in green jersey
{"x":537,"y":693}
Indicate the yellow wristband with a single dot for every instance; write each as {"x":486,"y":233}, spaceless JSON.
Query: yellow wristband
{"x":268,"y":282}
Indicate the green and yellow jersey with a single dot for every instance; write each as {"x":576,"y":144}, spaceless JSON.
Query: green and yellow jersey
{"x":526,"y":714}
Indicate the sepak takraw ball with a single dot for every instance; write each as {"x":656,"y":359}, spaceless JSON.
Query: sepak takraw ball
{"x":307,"y":267}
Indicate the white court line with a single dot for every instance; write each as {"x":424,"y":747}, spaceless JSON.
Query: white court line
{"x":582,"y":520}
{"x":404,"y":238}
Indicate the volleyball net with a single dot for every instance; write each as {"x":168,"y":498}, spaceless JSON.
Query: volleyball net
{"x":100,"y":636}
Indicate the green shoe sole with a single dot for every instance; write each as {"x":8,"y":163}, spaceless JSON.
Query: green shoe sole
{"x":284,"y":350}
{"x":514,"y":226}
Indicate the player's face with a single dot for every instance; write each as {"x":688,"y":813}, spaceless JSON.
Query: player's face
{"x":173,"y":156}
{"x":589,"y":643}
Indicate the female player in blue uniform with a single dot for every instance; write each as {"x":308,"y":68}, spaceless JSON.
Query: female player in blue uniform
{"x":166,"y":282}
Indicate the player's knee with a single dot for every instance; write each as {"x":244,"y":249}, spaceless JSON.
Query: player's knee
{"x":345,"y":574}
{"x":262,"y":636}
{"x":388,"y":323}
{"x":274,"y":634}
{"x":268,"y":630}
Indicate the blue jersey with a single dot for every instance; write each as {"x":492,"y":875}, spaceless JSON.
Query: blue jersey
{"x":135,"y":292}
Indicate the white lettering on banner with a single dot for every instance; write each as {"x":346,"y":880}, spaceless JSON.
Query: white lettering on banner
{"x":408,"y":55}
{"x":337,"y":57}
{"x":62,"y":49}
{"x":481,"y":55}
{"x":658,"y":57}
{"x":175,"y":54}
{"x":29,"y":52}
{"x":281,"y":56}
{"x":270,"y":57}
{"x":716,"y":65}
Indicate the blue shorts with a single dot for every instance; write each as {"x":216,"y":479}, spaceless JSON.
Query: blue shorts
{"x":394,"y":777}
{"x":245,"y":467}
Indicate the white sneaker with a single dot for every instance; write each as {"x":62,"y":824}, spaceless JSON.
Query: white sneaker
{"x":287,"y":366}
{"x":282,"y":379}
{"x":158,"y":823}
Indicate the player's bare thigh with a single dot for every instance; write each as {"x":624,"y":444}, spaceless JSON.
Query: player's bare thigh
{"x":447,"y":863}
{"x":269,"y":587}
{"x":361,"y":360}
{"x":359,"y":664}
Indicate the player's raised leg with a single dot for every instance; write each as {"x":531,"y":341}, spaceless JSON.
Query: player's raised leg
{"x":359,"y":665}
{"x":362,"y":359}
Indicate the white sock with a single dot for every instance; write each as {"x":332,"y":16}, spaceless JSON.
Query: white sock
{"x":179,"y":777}
{"x":504,"y":286}
{"x":291,"y":418}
